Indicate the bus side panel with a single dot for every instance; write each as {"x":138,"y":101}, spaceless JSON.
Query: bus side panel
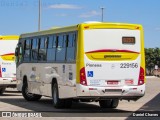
{"x":41,"y":84}
{"x":68,"y":75}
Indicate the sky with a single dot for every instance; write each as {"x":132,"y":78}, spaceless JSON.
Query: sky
{"x":21,"y":16}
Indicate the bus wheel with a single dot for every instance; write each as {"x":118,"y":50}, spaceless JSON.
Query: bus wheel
{"x":29,"y":96}
{"x":105,"y":103}
{"x":114,"y":103}
{"x":2,"y":90}
{"x":57,"y":102}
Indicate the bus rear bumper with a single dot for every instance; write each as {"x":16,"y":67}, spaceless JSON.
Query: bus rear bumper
{"x":121,"y":92}
{"x":8,"y":82}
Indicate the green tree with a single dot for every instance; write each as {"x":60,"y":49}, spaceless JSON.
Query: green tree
{"x":152,"y":56}
{"x":157,"y":56}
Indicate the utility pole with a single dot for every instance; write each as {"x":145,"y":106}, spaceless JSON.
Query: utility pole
{"x":39,"y":16}
{"x":102,"y":8}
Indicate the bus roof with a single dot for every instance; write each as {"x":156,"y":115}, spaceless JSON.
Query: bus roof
{"x":50,"y":31}
{"x":75,"y":27}
{"x":9,"y":37}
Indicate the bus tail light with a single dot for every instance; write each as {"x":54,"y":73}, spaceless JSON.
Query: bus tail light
{"x":83,"y":80}
{"x":141,"y":76}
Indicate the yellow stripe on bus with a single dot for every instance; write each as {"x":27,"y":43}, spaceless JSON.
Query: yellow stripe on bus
{"x":8,"y":57}
{"x":112,"y":56}
{"x":10,"y":37}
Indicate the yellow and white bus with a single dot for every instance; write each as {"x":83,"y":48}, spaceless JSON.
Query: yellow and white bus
{"x":93,"y":61}
{"x":7,"y":62}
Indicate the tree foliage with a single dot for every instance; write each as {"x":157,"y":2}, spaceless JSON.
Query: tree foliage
{"x":152,"y":56}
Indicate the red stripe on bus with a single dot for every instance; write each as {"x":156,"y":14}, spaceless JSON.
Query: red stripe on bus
{"x":8,"y":54}
{"x":112,"y":50}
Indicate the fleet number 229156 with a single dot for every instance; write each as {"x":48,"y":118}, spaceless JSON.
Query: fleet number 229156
{"x":129,"y":65}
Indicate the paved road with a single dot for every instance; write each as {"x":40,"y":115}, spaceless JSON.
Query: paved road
{"x":13,"y":101}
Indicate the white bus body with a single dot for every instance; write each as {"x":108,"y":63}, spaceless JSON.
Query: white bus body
{"x":105,"y":63}
{"x":7,"y":62}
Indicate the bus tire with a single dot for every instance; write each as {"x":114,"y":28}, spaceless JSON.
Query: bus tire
{"x":29,"y":96}
{"x":57,"y":102}
{"x":105,"y":103}
{"x":2,"y":90}
{"x":114,"y":103}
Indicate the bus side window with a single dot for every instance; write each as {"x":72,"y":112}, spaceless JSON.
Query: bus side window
{"x":71,"y":48}
{"x":61,"y":48}
{"x":34,"y":51}
{"x":18,"y":53}
{"x":51,"y":51}
{"x":42,"y":50}
{"x":27,"y":50}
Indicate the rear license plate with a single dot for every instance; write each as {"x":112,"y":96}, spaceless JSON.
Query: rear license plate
{"x":112,"y":82}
